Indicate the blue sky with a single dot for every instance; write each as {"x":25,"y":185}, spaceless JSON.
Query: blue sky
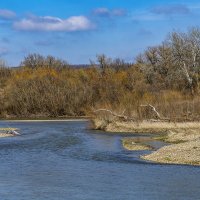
{"x":78,"y":30}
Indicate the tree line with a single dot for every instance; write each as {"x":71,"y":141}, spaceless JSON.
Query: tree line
{"x":166,"y":76}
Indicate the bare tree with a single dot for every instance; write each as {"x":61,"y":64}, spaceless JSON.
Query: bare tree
{"x":36,"y":60}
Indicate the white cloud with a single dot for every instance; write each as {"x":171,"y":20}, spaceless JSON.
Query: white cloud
{"x":7,"y":14}
{"x":49,"y":23}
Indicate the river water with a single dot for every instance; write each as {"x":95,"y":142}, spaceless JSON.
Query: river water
{"x":67,"y":161}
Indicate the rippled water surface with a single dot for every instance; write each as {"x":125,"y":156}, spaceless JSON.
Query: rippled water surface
{"x":66,"y":161}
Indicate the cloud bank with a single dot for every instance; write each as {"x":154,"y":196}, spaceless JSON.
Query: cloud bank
{"x":49,"y":23}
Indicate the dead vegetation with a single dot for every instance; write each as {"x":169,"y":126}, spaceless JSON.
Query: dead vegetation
{"x":162,"y":85}
{"x":132,"y":145}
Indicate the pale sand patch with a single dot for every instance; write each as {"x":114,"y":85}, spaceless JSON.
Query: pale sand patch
{"x":3,"y":135}
{"x":183,"y":153}
{"x":186,"y":149}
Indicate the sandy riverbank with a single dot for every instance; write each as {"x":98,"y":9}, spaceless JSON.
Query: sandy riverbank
{"x":183,"y":139}
{"x":182,"y":153}
{"x":184,"y":148}
{"x":3,"y":135}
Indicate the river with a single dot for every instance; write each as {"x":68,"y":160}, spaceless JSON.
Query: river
{"x":66,"y":161}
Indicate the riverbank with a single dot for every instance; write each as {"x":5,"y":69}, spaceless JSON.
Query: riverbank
{"x":184,"y":147}
{"x":145,"y":126}
{"x":42,"y":118}
{"x":183,"y":139}
{"x":183,"y":153}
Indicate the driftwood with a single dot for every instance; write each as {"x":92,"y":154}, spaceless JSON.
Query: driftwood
{"x":122,"y":116}
{"x":158,"y":116}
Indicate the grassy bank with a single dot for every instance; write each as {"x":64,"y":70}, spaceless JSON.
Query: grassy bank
{"x":144,"y":126}
{"x":132,"y":145}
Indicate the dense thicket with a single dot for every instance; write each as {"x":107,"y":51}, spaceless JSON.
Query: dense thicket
{"x":166,"y":76}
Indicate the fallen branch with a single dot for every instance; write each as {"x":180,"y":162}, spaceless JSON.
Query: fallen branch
{"x":156,"y":112}
{"x":114,"y":114}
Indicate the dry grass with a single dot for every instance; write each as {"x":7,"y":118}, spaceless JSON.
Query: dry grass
{"x":184,"y":135}
{"x":131,"y":145}
{"x":8,"y":129}
{"x":145,"y":126}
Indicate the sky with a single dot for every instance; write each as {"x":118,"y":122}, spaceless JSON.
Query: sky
{"x":79,"y":30}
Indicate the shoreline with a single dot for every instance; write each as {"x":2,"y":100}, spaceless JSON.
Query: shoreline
{"x":183,"y":139}
{"x":6,"y":135}
{"x":45,"y":120}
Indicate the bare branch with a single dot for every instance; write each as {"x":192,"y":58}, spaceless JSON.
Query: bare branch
{"x":114,"y":114}
{"x":155,"y":111}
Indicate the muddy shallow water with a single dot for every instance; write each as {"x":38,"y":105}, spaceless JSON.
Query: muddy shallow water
{"x":65,"y":160}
